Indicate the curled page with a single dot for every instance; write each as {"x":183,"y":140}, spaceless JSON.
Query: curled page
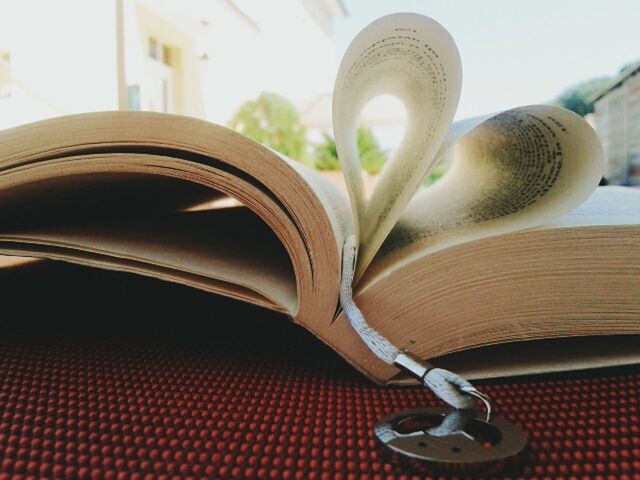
{"x":517,"y":169}
{"x":413,"y":58}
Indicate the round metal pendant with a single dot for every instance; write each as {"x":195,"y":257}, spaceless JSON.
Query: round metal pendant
{"x":451,"y":441}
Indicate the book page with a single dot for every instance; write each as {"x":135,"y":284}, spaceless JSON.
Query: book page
{"x":517,"y":169}
{"x":413,"y":58}
{"x":611,"y":205}
{"x":331,"y":196}
{"x":64,"y":155}
{"x":231,"y":245}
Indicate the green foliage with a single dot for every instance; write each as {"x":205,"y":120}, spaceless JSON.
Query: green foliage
{"x":325,"y":155}
{"x":434,"y":175}
{"x":273,"y":121}
{"x":579,"y":99}
{"x":372,"y":157}
{"x":439,"y":170}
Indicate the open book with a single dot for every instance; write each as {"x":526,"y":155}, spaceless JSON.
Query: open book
{"x":514,"y":243}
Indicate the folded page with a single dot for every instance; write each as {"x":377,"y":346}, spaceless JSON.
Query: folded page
{"x":517,"y":169}
{"x":415,"y":59}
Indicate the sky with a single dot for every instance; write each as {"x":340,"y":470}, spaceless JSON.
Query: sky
{"x":518,"y":52}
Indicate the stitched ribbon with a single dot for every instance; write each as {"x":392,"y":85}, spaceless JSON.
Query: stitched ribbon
{"x":448,"y":386}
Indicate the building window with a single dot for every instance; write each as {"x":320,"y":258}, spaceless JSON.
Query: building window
{"x":5,"y":75}
{"x":153,"y":48}
{"x":166,"y":55}
{"x":133,"y":97}
{"x":160,"y":84}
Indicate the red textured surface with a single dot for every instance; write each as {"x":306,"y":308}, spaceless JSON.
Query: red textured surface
{"x":91,"y":392}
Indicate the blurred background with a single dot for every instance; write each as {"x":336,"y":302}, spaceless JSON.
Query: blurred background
{"x":266,"y":68}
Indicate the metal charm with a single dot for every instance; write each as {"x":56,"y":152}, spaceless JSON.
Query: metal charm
{"x":462,"y":442}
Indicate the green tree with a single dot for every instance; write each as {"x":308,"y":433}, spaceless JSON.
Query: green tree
{"x":372,"y":157}
{"x":325,"y":155}
{"x":272,"y":120}
{"x":439,"y":170}
{"x":579,"y":98}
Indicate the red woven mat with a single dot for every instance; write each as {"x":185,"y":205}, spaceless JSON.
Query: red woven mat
{"x":110,"y":376}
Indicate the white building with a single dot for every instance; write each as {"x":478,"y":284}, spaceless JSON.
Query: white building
{"x":194,"y":57}
{"x":617,"y":118}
